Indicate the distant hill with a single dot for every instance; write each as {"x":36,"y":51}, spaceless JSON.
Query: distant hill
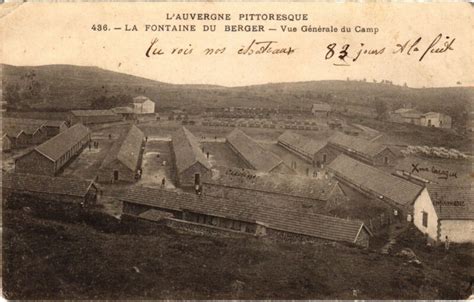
{"x":64,"y":87}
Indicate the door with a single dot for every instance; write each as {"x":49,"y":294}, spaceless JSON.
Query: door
{"x":197,"y":179}
{"x":116,"y":175}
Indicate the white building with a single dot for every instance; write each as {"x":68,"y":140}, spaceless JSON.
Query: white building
{"x":143,"y":105}
{"x":436,"y":119}
{"x":448,"y":212}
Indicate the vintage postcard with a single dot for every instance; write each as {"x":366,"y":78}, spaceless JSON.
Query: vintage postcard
{"x":247,"y":151}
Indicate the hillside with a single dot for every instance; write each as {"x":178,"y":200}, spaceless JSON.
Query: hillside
{"x":96,"y":258}
{"x":63,"y":87}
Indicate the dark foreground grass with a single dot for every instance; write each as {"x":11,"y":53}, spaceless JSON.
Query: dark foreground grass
{"x":90,"y":259}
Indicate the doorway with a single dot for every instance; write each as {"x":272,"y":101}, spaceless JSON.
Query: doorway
{"x":116,"y":175}
{"x":197,"y":179}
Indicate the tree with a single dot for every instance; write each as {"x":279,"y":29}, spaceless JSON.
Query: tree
{"x":380,"y":107}
{"x":105,"y":102}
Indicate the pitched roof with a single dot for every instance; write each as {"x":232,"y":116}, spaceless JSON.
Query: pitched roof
{"x":32,"y":124}
{"x":302,"y":144}
{"x":126,"y":149}
{"x":122,"y":110}
{"x":354,"y":144}
{"x":14,"y":126}
{"x":141,"y":99}
{"x":299,"y":186}
{"x":276,"y":218}
{"x":411,"y":114}
{"x":187,"y":151}
{"x":452,"y":203}
{"x":399,"y":190}
{"x":92,"y":112}
{"x":58,"y":145}
{"x":45,"y":184}
{"x":321,"y":107}
{"x":252,"y":152}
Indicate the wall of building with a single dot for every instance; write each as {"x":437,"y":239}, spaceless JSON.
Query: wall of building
{"x":331,"y":154}
{"x":423,"y":204}
{"x":22,"y":140}
{"x":106,"y":174}
{"x":220,"y":222}
{"x":445,"y":121}
{"x":6,"y":144}
{"x":201,"y":229}
{"x":34,"y":163}
{"x":39,"y":136}
{"x":363,"y":239}
{"x":459,"y":231}
{"x":186,"y":178}
{"x":379,"y":159}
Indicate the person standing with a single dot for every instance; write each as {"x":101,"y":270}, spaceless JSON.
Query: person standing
{"x":446,"y":244}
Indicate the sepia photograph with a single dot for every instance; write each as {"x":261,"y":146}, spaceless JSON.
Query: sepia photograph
{"x":237,"y":151}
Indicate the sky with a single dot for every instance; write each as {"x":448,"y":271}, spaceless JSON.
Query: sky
{"x":61,"y":33}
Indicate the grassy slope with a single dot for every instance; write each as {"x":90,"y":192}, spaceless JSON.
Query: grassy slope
{"x":52,"y":259}
{"x":68,"y":86}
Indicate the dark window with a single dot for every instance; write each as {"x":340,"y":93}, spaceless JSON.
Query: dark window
{"x":425,"y":219}
{"x":324,"y":158}
{"x":385,"y":160}
{"x":116,"y":175}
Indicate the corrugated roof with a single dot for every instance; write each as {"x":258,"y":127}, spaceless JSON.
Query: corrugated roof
{"x":300,"y":186}
{"x":321,"y":107}
{"x":303,"y":144}
{"x":354,"y":144}
{"x":93,"y":112}
{"x":398,"y":190}
{"x":452,"y":203}
{"x":187,"y":150}
{"x":45,"y":184}
{"x":126,"y":149}
{"x":256,"y":156}
{"x":58,"y":145}
{"x":299,"y":222}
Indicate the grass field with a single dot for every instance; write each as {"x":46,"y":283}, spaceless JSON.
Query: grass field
{"x":90,"y":259}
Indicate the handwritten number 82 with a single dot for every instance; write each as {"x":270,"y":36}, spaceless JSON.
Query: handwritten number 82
{"x":331,"y":51}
